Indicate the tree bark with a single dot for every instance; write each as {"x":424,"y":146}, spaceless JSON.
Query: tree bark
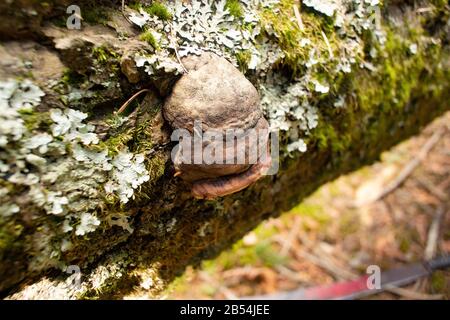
{"x":138,"y":247}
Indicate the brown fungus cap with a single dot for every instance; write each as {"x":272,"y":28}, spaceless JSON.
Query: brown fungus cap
{"x":215,"y":93}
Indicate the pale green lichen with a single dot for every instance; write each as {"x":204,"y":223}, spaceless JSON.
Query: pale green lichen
{"x":155,"y":64}
{"x":60,"y":170}
{"x":128,"y":174}
{"x":318,"y":54}
{"x":15,"y":97}
{"x":88,"y":223}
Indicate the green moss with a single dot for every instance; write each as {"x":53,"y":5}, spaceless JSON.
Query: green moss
{"x":106,"y":64}
{"x":95,"y":14}
{"x":135,"y":5}
{"x":9,"y":234}
{"x":159,"y":10}
{"x":379,"y":94}
{"x":148,"y":37}
{"x":117,"y":142}
{"x":404,"y":245}
{"x":284,"y":24}
{"x":35,"y":120}
{"x":71,"y":78}
{"x":142,"y":137}
{"x":235,"y":8}
{"x":229,"y":218}
{"x":439,"y":282}
{"x":326,"y":136}
{"x":440,"y":4}
{"x":156,"y":167}
{"x":398,"y":73}
{"x":243,"y":59}
{"x":104,"y":54}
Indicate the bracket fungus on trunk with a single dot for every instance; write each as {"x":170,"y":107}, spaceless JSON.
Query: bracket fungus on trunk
{"x":215,"y":113}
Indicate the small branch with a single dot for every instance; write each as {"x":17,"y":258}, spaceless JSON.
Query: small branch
{"x":174,"y":43}
{"x":133,"y":97}
{"x":291,"y":274}
{"x":123,"y":12}
{"x":409,"y":294}
{"x":410,"y":166}
{"x":433,"y":233}
{"x":330,"y":52}
{"x":298,"y":16}
{"x":328,"y":266}
{"x":323,"y":260}
{"x":424,"y":10}
{"x":434,"y":190}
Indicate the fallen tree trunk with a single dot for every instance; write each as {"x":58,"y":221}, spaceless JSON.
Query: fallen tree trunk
{"x":85,"y":188}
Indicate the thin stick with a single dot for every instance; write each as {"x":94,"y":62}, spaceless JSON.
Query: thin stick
{"x":291,"y":274}
{"x":409,"y":294}
{"x":409,"y":168}
{"x":322,"y":259}
{"x":298,"y":16}
{"x":435,"y":191}
{"x":433,"y":233}
{"x":133,"y":97}
{"x":174,"y":43}
{"x":330,"y":52}
{"x":123,"y":13}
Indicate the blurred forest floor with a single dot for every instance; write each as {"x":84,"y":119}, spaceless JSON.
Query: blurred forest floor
{"x":343,"y":227}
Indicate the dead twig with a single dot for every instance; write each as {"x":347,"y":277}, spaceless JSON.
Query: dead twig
{"x":123,"y":12}
{"x":409,"y":294}
{"x":423,"y":10}
{"x":296,"y":7}
{"x":323,"y":260}
{"x":433,"y":233}
{"x":328,"y":265}
{"x":410,"y":166}
{"x":134,"y":96}
{"x":434,"y":190}
{"x":174,"y":44}
{"x":291,"y":274}
{"x":325,"y":38}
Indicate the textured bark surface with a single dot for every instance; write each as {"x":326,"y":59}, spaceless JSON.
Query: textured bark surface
{"x":165,"y":228}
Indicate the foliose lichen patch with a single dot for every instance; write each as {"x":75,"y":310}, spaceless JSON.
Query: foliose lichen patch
{"x":264,"y":44}
{"x":59,"y":169}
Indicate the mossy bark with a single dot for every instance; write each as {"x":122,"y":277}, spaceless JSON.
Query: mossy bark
{"x":170,"y":229}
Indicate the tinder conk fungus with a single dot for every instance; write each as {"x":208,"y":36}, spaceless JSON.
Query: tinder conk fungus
{"x":215,"y":113}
